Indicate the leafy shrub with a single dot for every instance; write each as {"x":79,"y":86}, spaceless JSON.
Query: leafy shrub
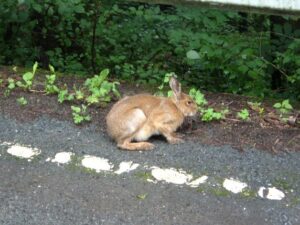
{"x":141,"y":42}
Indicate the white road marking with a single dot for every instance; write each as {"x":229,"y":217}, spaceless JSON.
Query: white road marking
{"x":23,"y":152}
{"x":126,"y":167}
{"x":96,"y":163}
{"x":196,"y":183}
{"x":271,"y":193}
{"x":171,"y":175}
{"x":62,"y":157}
{"x":234,"y":186}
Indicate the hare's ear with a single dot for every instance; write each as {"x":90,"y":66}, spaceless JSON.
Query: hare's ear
{"x":176,"y":87}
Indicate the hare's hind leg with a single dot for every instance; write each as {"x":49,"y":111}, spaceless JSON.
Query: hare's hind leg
{"x":135,"y":146}
{"x":135,"y":122}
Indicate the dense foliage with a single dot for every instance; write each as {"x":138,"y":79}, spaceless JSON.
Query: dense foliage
{"x":209,"y":49}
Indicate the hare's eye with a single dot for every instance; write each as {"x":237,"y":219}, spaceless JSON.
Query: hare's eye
{"x":189,"y":102}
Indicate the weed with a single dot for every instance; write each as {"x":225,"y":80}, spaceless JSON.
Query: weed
{"x":142,"y":196}
{"x":164,"y":83}
{"x":100,"y":88}
{"x":210,"y":114}
{"x":79,"y":95}
{"x":22,"y":101}
{"x":11,"y":86}
{"x":27,"y":77}
{"x":243,"y":114}
{"x":283,"y":107}
{"x":63,"y":95}
{"x":256,"y":106}
{"x":50,"y":87}
{"x":198,"y":97}
{"x":80,"y":114}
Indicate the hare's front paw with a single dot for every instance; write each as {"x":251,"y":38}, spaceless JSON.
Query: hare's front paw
{"x":147,"y":146}
{"x":178,"y":135}
{"x":175,"y":140}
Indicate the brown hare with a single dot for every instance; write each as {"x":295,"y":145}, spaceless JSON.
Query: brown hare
{"x":138,"y":117}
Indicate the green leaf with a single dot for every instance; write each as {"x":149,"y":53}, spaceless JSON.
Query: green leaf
{"x":76,"y":109}
{"x":34,"y":68}
{"x":28,"y":76}
{"x":243,"y":114}
{"x":70,"y":97}
{"x":87,"y":118}
{"x":277,"y":105}
{"x":103,"y":75}
{"x":79,"y":95}
{"x":78,"y":118}
{"x":22,"y":101}
{"x":18,"y":83}
{"x":286,"y":104}
{"x":51,"y":68}
{"x":170,"y":93}
{"x":92,"y":99}
{"x":62,"y":95}
{"x":192,"y":54}
{"x":243,"y":68}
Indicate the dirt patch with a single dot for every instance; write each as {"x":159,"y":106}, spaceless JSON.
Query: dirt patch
{"x":263,"y":131}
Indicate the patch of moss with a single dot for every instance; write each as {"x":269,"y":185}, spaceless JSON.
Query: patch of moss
{"x":294,"y":201}
{"x":75,"y":163}
{"x":219,"y":191}
{"x":201,"y":190}
{"x":144,"y":175}
{"x":282,"y":184}
{"x":247,"y":193}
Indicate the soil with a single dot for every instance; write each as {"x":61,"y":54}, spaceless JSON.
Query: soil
{"x":264,"y":132}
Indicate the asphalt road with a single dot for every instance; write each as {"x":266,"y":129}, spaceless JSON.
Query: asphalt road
{"x":40,"y":192}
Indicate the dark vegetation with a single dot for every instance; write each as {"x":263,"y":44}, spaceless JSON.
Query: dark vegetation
{"x":212,"y":52}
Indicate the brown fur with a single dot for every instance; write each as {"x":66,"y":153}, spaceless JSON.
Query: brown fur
{"x":140,"y":116}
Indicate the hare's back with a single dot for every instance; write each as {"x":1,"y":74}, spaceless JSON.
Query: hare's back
{"x":142,"y":101}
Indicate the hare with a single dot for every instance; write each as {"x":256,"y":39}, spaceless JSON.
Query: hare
{"x":137,"y":118}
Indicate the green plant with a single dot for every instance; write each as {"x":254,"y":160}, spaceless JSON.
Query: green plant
{"x":164,"y":83}
{"x":284,"y":107}
{"x":22,"y":101}
{"x":205,"y":47}
{"x":79,"y":95}
{"x":50,"y":86}
{"x":80,"y":114}
{"x":11,"y":86}
{"x":27,"y":77}
{"x":198,"y":97}
{"x":256,"y":106}
{"x":63,"y":95}
{"x":210,"y":114}
{"x":100,"y":88}
{"x":142,"y":196}
{"x":243,"y":114}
